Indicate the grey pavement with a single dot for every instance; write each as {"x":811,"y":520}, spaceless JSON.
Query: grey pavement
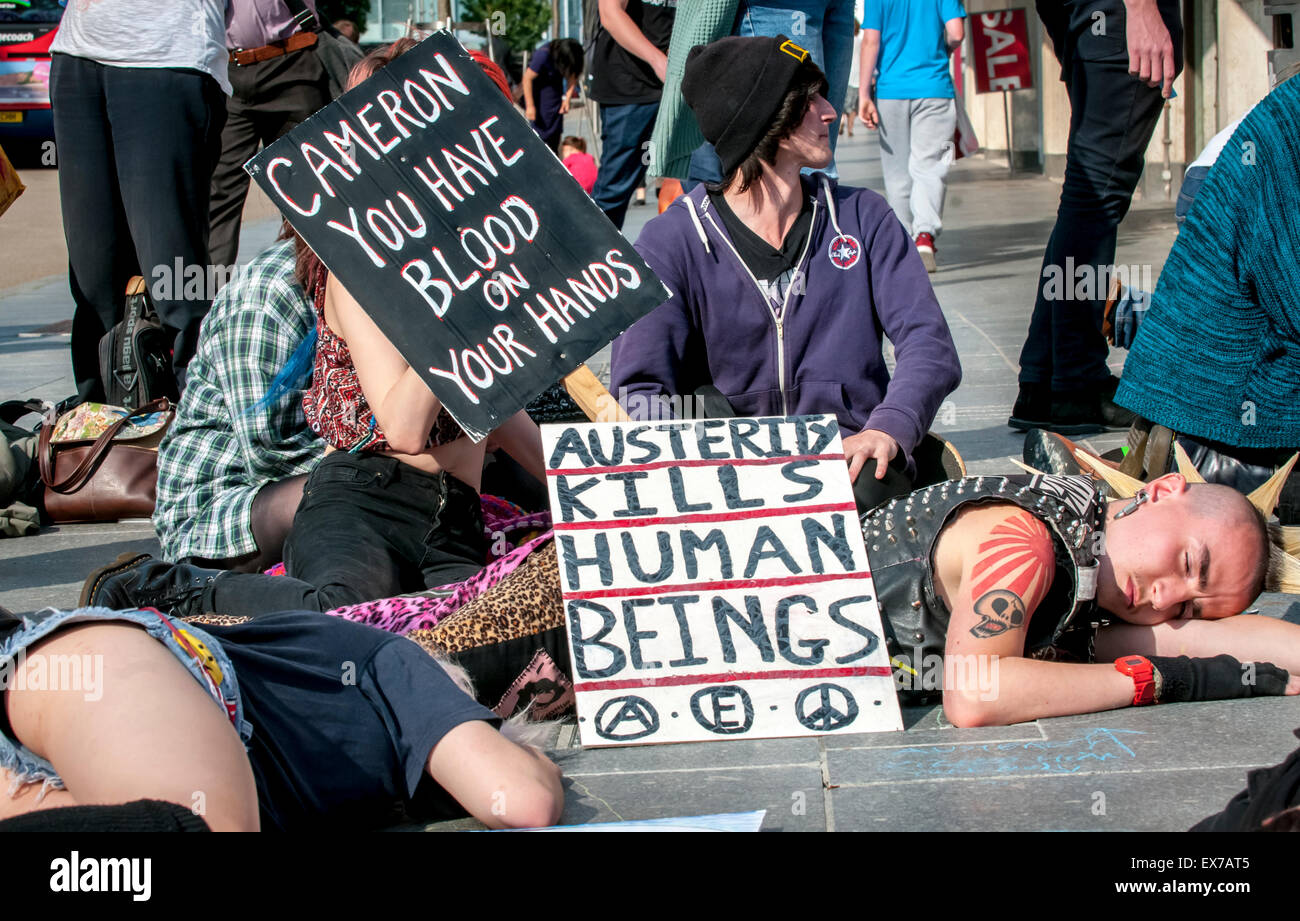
{"x":1160,"y":768}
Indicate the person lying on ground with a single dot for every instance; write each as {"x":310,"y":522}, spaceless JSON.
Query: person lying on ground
{"x":999,"y":596}
{"x":232,"y":465}
{"x":289,"y":722}
{"x":782,"y":287}
{"x":1009,"y":597}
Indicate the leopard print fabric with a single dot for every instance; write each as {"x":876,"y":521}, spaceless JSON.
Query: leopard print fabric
{"x":423,"y":611}
{"x":216,"y":620}
{"x":526,"y":602}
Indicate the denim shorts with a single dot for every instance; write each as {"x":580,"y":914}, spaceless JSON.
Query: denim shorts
{"x":217,"y":677}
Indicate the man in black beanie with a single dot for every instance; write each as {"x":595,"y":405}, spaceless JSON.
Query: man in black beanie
{"x":782,"y":284}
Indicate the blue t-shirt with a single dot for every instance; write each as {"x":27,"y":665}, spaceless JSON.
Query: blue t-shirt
{"x":913,"y":58}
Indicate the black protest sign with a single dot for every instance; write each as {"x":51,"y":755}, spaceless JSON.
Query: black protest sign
{"x":440,"y":210}
{"x":715,"y":581}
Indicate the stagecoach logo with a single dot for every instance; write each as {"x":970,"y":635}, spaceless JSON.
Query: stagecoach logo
{"x":845,"y":250}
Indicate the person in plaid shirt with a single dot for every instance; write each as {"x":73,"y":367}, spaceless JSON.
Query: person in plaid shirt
{"x":230,"y":477}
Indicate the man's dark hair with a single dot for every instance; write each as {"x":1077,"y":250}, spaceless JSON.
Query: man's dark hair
{"x":568,"y":58}
{"x":808,"y":81}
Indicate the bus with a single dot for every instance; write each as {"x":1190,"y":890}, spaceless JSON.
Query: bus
{"x":27,"y":28}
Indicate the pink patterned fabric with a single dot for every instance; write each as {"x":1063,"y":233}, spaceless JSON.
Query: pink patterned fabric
{"x":405,"y":613}
{"x":502,"y":518}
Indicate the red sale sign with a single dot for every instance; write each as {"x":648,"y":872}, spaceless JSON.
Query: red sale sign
{"x":1001,"y":59}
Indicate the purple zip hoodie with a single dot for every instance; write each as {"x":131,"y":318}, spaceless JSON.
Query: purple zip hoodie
{"x":862,"y":278}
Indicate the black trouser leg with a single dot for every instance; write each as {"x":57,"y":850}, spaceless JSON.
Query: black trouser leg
{"x":165,"y":126}
{"x":268,"y":100}
{"x":100,"y":253}
{"x":368,"y":527}
{"x":239,"y":142}
{"x":1112,"y":117}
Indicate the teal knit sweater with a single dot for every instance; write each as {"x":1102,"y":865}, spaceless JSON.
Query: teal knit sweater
{"x":677,"y":133}
{"x":1218,"y":355}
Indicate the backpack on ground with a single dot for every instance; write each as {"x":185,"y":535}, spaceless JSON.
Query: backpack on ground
{"x":135,"y":356}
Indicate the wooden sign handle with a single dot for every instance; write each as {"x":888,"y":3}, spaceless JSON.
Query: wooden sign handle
{"x":592,"y":397}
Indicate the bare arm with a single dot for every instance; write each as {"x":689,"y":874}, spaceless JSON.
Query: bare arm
{"x":520,"y":437}
{"x":501,"y":784}
{"x":1248,"y":637}
{"x":1007,"y":568}
{"x":867,"y":76}
{"x":954,"y":31}
{"x":403,"y":404}
{"x":616,"y":21}
{"x":530,"y":109}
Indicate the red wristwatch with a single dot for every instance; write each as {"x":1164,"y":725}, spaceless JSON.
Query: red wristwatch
{"x":1140,"y":669}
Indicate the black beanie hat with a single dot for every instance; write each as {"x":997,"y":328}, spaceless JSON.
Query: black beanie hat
{"x":735,"y":85}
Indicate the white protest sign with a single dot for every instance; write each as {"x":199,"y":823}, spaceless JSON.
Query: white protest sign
{"x":715,"y":581}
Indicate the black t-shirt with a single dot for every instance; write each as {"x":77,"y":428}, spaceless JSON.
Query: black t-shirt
{"x":344,"y":717}
{"x":774,"y":268}
{"x":620,"y":77}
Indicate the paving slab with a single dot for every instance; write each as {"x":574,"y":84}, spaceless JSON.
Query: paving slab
{"x":1169,"y":802}
{"x":47,"y":569}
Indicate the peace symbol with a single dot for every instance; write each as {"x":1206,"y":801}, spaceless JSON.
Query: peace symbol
{"x":825,"y":707}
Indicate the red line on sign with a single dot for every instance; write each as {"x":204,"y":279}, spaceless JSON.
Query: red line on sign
{"x":713,"y":586}
{"x":708,"y":517}
{"x":872,"y":671}
{"x":737,"y":462}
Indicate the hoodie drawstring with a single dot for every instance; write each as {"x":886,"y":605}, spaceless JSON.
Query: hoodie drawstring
{"x":830,"y":206}
{"x":699,"y":226}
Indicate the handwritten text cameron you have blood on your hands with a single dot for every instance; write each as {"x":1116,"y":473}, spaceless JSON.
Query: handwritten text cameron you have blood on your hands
{"x":411,"y":175}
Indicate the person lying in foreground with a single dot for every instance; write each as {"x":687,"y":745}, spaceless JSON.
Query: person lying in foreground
{"x":291,"y":721}
{"x":1013,"y":596}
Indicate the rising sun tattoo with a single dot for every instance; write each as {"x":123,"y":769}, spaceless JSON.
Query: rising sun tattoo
{"x":1012,"y":572}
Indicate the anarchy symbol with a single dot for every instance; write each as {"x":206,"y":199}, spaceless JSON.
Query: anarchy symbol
{"x":833,"y":707}
{"x":612,"y":717}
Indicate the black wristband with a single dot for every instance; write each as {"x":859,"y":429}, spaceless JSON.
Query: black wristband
{"x":1221,"y":677}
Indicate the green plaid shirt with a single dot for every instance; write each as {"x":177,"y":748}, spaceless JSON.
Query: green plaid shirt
{"x":216,"y":456}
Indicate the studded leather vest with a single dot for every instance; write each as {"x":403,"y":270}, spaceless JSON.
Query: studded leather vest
{"x":901,"y":536}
